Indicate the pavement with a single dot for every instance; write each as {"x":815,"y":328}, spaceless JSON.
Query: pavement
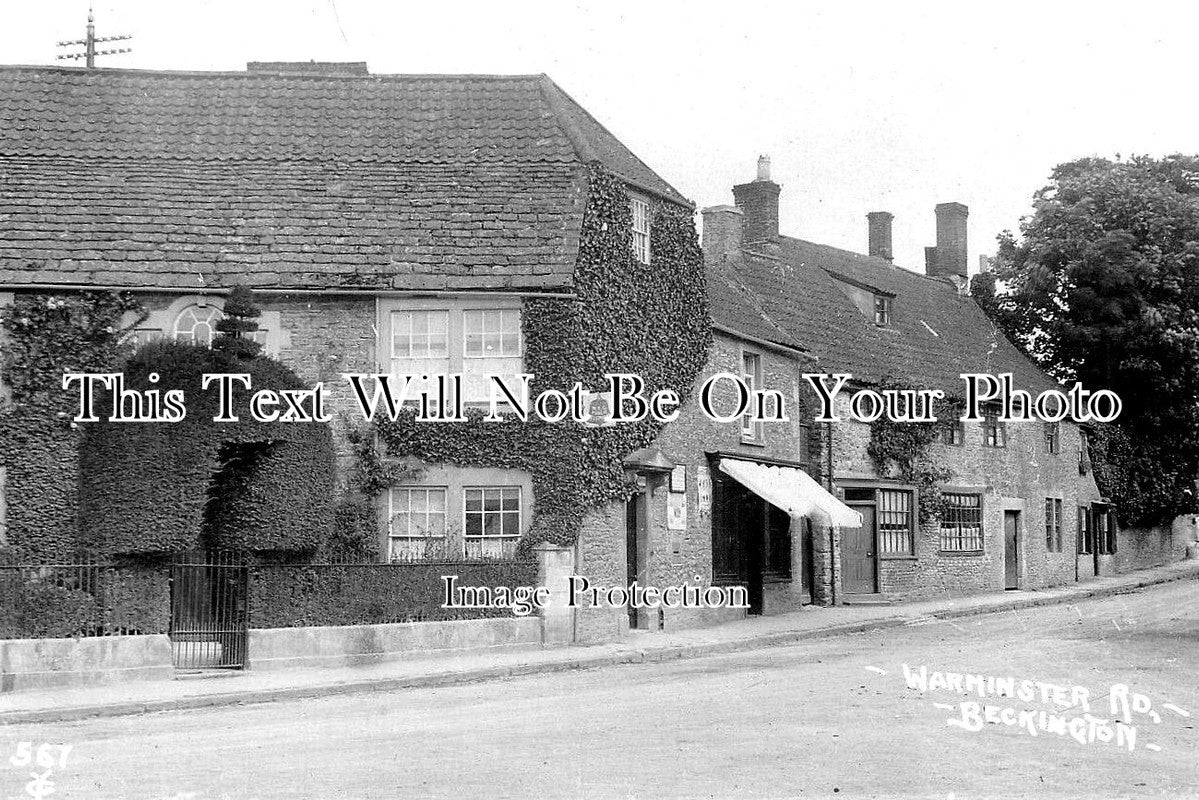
{"x":247,"y":687}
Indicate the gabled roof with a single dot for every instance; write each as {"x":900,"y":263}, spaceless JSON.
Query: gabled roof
{"x":934,"y":334}
{"x":201,"y":179}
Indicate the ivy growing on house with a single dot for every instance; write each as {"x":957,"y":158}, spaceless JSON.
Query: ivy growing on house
{"x":650,"y":320}
{"x":904,"y":451}
{"x":44,"y":336}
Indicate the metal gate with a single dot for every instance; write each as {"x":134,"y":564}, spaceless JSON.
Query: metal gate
{"x":209,"y":610}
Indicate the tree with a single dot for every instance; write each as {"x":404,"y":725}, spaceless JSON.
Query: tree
{"x":237,"y":324}
{"x":1102,"y":287}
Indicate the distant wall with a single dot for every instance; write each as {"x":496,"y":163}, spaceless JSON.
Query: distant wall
{"x":1140,"y":548}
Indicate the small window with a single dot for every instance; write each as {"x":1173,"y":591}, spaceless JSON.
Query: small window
{"x":419,"y":335}
{"x":895,"y":522}
{"x":640,"y":229}
{"x":1053,"y":524}
{"x":751,"y":373}
{"x":953,"y":432}
{"x":882,"y":310}
{"x":492,"y":517}
{"x":1053,"y":434}
{"x":491,"y":333}
{"x":994,"y":431}
{"x":1104,"y":529}
{"x":961,"y":523}
{"x":416,"y":523}
{"x":197,"y":324}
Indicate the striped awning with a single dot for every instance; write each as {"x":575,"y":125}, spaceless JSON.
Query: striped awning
{"x":792,"y":490}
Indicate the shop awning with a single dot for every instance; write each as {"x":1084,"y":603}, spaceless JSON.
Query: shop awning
{"x":792,"y":490}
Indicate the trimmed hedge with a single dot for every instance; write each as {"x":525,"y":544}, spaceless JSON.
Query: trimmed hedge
{"x":146,"y":485}
{"x":59,"y":601}
{"x":290,"y":596}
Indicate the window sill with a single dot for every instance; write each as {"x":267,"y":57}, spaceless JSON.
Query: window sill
{"x":753,"y":442}
{"x":961,"y":553}
{"x":897,"y":557}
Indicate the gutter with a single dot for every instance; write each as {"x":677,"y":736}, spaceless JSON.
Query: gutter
{"x":88,"y":287}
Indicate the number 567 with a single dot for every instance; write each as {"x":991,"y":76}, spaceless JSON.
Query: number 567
{"x":43,"y":756}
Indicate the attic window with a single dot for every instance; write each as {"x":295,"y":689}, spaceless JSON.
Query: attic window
{"x":640,"y":210}
{"x":882,"y":310}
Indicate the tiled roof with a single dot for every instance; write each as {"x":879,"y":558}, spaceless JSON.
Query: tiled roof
{"x":934,"y":334}
{"x":175,"y":179}
{"x":734,"y":306}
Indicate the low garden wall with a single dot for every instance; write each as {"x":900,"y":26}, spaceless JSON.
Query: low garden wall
{"x":27,"y":664}
{"x":338,"y":646}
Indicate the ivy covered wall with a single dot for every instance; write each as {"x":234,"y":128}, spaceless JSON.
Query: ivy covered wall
{"x":43,"y":336}
{"x":647,"y":319}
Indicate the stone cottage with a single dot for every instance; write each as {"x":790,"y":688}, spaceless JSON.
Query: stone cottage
{"x":388,"y":224}
{"x":1015,"y":503}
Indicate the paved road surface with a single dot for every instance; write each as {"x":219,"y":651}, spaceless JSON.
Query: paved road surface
{"x":826,"y":718}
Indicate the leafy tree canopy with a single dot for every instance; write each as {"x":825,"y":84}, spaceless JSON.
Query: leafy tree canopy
{"x":1102,"y":287}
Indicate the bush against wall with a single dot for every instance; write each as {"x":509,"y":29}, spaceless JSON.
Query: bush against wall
{"x":45,"y":335}
{"x":650,"y":319}
{"x":156,"y":487}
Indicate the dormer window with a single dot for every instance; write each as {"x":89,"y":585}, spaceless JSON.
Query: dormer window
{"x":882,"y":310}
{"x":640,"y":210}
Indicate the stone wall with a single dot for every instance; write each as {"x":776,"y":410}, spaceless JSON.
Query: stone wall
{"x":1018,"y":477}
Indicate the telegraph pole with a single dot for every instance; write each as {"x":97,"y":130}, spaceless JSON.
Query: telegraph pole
{"x":89,"y":44}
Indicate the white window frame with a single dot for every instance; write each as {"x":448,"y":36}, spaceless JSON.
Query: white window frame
{"x":640,"y":229}
{"x":197,"y":310}
{"x":752,"y":430}
{"x":507,"y":541}
{"x":459,"y":313}
{"x":882,"y":310}
{"x":392,"y":537}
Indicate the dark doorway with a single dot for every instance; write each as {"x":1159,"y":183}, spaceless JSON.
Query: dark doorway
{"x":859,"y":559}
{"x":1011,"y":549}
{"x":633,"y":516}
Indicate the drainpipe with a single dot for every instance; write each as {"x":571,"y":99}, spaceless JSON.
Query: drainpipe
{"x":832,"y":560}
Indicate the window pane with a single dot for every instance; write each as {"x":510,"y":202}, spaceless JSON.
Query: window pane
{"x":474,"y":500}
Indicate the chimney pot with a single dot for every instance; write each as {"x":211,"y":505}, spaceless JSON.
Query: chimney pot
{"x":764,"y":168}
{"x":722,"y":232}
{"x":759,"y":202}
{"x":879,"y":234}
{"x":948,"y":258}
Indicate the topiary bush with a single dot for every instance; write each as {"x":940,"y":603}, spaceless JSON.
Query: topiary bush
{"x":155,"y":487}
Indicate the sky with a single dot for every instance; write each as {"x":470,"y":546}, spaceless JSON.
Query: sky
{"x":861,"y":106}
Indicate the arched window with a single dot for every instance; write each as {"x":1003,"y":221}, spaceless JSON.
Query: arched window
{"x":197,"y":323}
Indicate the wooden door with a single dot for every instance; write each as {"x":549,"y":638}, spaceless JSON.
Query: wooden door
{"x":859,"y":560}
{"x":1011,"y":549}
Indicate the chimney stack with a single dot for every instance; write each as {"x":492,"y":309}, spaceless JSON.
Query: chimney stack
{"x":759,"y":202}
{"x":722,"y":232}
{"x":879,"y":226}
{"x":948,"y":258}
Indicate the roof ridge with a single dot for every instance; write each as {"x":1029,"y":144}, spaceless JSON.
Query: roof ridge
{"x":561,"y":98}
{"x":243,"y":73}
{"x":869,"y":260}
{"x":569,"y":129}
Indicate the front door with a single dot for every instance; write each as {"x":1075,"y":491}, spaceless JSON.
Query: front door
{"x":859,"y":564}
{"x":1011,"y":549}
